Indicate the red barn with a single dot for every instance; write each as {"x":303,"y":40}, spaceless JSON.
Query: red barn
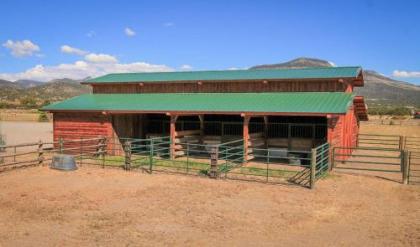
{"x":283,"y":108}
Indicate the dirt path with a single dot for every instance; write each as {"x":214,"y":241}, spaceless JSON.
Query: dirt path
{"x":24,"y":132}
{"x":111,"y":207}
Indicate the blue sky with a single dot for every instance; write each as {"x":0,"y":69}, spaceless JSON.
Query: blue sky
{"x":42,"y":40}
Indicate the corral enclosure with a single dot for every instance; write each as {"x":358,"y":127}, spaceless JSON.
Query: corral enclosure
{"x":113,"y":207}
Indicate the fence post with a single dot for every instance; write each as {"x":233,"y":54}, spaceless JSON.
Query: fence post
{"x":40,"y":153}
{"x":81,"y":151}
{"x":406,"y":166}
{"x":61,"y":144}
{"x":313,"y":168}
{"x":213,"y":162}
{"x":127,"y":151}
{"x":402,"y":161}
{"x":102,"y":150}
{"x":14,"y":152}
{"x":151,"y":155}
{"x":188,"y":157}
{"x":332,"y":163}
{"x":401,"y":143}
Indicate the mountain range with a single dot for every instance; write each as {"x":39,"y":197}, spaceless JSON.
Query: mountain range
{"x":378,"y":89}
{"x":12,"y":93}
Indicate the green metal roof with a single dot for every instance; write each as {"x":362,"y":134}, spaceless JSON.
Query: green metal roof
{"x":305,"y":102}
{"x":230,"y":75}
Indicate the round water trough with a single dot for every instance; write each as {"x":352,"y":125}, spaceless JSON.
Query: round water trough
{"x":63,"y":162}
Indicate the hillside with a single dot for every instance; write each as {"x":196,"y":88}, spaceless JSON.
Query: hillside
{"x":12,"y":94}
{"x":378,"y":89}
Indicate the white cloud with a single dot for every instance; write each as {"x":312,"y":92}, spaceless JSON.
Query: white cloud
{"x":82,"y":69}
{"x":100,"y":58}
{"x":405,"y":74}
{"x":72,"y":50}
{"x":186,"y":67}
{"x":168,"y":24}
{"x":21,"y":48}
{"x":129,"y":32}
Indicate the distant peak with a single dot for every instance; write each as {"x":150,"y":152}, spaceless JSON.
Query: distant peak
{"x":300,"y":62}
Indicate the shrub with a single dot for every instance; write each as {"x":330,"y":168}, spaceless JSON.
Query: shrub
{"x":28,"y":102}
{"x":43,"y":117}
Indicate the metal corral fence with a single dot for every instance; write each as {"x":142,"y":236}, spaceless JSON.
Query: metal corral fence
{"x":382,"y":154}
{"x":412,"y":144}
{"x":380,"y":141}
{"x":226,"y":160}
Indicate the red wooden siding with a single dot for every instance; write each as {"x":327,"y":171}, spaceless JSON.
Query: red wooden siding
{"x":343,"y":131}
{"x":226,"y":87}
{"x":81,"y":125}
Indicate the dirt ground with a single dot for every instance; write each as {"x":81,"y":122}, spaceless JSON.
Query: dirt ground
{"x":405,"y":130}
{"x":16,"y":132}
{"x":107,"y":207}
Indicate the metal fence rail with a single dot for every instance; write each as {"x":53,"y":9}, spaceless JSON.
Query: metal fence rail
{"x":412,"y":143}
{"x":380,"y":141}
{"x":226,"y":160}
{"x":414,"y":168}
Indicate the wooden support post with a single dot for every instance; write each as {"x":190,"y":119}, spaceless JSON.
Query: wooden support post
{"x":40,"y":153}
{"x":401,"y":143}
{"x":173,"y":135}
{"x":127,"y":152}
{"x":201,"y":117}
{"x":313,"y":168}
{"x":246,"y":136}
{"x":14,"y":152}
{"x":289,"y":136}
{"x":266,"y":131}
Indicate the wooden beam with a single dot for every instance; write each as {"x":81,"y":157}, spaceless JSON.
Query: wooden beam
{"x":173,"y":135}
{"x":266,"y":131}
{"x":201,"y":117}
{"x":246,"y":136}
{"x":195,"y":113}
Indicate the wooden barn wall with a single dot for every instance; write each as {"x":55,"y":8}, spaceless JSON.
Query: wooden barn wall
{"x":78,"y":125}
{"x":223,"y":87}
{"x":343,"y":131}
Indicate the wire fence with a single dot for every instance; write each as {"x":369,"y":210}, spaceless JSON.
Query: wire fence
{"x":220,"y":128}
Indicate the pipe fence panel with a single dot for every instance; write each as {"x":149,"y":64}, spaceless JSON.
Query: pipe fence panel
{"x":226,"y":160}
{"x":414,"y":168}
{"x":380,"y":141}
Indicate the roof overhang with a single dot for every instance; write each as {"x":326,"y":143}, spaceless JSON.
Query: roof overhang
{"x":296,"y":104}
{"x":299,"y":74}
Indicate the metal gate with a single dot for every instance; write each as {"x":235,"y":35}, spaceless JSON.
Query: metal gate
{"x":414,"y":168}
{"x":387,"y":163}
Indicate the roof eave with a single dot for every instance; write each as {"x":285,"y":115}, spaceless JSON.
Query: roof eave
{"x":212,"y":81}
